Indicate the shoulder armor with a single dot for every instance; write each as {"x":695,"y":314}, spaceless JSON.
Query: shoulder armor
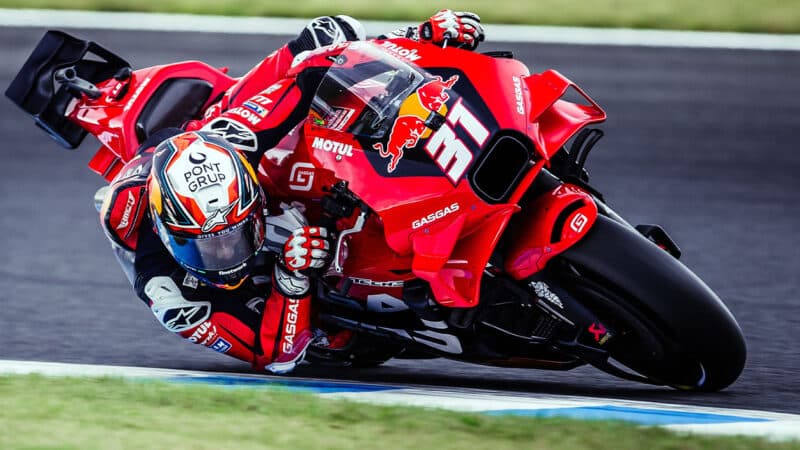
{"x":126,"y":202}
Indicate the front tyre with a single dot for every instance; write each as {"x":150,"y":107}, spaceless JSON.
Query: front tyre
{"x":675,"y":330}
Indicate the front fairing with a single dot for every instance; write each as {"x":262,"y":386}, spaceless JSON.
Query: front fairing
{"x":373,"y":109}
{"x":379,"y":120}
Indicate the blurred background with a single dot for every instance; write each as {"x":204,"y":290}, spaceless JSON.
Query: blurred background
{"x":773,"y":16}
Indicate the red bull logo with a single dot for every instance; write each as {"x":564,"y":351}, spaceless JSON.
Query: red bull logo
{"x":406,"y":132}
{"x":409,"y":127}
{"x":433,"y":94}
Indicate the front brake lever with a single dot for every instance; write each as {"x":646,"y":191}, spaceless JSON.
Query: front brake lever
{"x":357,"y":227}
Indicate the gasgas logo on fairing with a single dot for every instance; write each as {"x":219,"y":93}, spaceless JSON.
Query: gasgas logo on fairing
{"x":434,"y":216}
{"x":518,"y":95}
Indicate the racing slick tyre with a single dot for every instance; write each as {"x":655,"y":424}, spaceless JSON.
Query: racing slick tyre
{"x":671,"y":327}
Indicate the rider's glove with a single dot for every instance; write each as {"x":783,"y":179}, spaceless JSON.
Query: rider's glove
{"x":307,"y":248}
{"x":455,"y":28}
{"x":306,"y":251}
{"x":299,"y":246}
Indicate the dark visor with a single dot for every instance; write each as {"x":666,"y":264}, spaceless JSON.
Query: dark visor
{"x":221,"y":251}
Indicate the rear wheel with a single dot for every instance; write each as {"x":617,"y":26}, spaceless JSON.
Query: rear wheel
{"x":360,"y":351}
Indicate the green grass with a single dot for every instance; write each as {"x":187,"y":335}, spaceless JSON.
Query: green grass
{"x":108,"y":413}
{"x":776,"y":16}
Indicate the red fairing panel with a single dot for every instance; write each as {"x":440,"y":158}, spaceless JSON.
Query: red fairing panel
{"x":551,"y":225}
{"x":497,"y":80}
{"x":554,"y":120}
{"x":112,"y":116}
{"x":437,"y":223}
{"x":452,"y":261}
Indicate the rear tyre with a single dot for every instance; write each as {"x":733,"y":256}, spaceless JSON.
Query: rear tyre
{"x":361,"y":351}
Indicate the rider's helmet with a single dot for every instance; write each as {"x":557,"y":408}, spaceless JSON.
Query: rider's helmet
{"x":207,"y":207}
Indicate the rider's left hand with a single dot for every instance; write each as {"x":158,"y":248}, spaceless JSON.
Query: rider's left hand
{"x":456,"y":28}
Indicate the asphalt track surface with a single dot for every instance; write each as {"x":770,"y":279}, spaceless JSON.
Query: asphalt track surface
{"x":702,"y":142}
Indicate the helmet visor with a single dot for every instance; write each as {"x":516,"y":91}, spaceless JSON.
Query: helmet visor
{"x":216,"y":252}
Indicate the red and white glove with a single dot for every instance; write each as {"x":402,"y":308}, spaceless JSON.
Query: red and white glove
{"x":307,"y":248}
{"x":456,"y":28}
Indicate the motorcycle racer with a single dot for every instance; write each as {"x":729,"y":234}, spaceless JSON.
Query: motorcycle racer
{"x":206,"y":258}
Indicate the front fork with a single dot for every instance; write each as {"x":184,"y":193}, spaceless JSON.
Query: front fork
{"x":549,"y":224}
{"x":583,"y":334}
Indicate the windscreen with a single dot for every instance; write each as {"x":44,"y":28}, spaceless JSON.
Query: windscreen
{"x":363,"y":90}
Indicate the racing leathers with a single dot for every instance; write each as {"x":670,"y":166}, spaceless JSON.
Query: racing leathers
{"x":265,"y":320}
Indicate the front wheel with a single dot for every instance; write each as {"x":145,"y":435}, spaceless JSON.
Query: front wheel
{"x":671,"y":327}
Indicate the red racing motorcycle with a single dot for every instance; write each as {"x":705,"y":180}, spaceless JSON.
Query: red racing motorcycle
{"x":466,"y":226}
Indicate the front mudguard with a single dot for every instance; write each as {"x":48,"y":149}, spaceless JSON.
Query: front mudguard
{"x":547,"y":227}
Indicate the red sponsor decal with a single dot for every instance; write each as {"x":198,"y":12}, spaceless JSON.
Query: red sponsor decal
{"x":408,"y":129}
{"x":126,"y":214}
{"x":598,"y":331}
{"x":406,"y":132}
{"x":433,"y":94}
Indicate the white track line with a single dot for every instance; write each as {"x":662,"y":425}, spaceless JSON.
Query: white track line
{"x":746,"y":422}
{"x":496,"y":33}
